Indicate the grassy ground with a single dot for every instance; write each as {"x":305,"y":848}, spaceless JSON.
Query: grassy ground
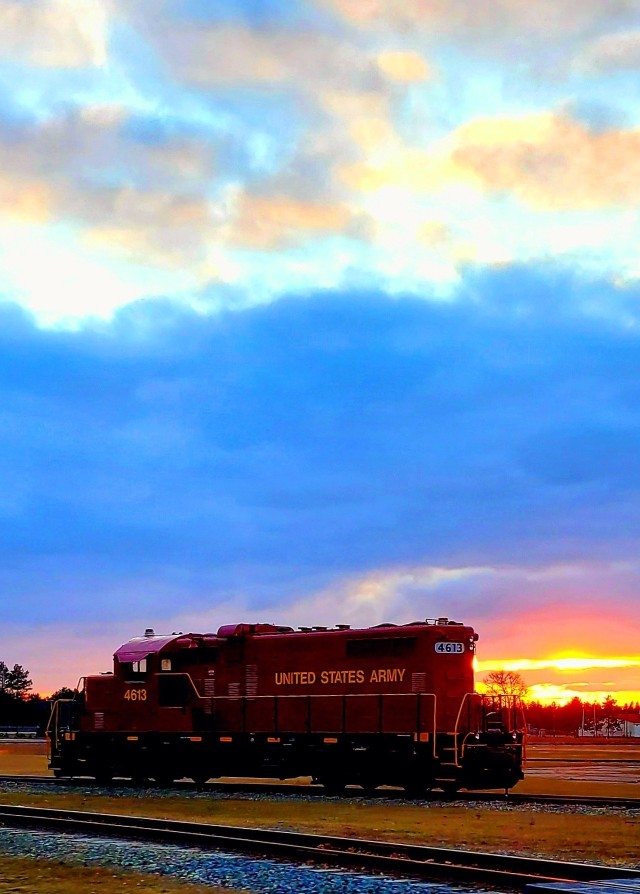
{"x":602,"y":838}
{"x":21,"y":875}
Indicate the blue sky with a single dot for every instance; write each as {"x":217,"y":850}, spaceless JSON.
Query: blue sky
{"x":319,"y":315}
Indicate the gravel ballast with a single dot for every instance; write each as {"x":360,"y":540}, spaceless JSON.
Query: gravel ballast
{"x":206,"y":867}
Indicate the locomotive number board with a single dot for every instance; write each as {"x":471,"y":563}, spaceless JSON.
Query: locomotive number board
{"x":449,"y":648}
{"x":136,"y":695}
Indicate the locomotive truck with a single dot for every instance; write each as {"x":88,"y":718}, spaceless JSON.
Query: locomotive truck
{"x":384,"y":705}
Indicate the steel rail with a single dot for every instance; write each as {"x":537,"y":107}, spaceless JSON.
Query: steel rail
{"x":306,"y":789}
{"x":391,"y":857}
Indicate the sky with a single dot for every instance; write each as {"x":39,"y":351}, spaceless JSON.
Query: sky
{"x":317,"y":313}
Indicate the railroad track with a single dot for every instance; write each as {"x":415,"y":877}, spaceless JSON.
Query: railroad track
{"x":413,"y":861}
{"x":297,"y":790}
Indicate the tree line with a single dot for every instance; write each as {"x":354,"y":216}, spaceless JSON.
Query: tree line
{"x":594,"y":718}
{"x":19,"y":706}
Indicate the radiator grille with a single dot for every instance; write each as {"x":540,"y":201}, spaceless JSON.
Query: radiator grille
{"x":419,"y":682}
{"x":251,"y":679}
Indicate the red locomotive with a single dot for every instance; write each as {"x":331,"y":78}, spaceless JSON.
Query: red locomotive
{"x":385,"y":705}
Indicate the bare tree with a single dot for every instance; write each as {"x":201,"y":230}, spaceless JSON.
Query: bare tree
{"x":505,"y":683}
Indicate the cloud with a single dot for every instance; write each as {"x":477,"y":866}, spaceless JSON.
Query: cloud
{"x":273,"y":150}
{"x":274,"y":222}
{"x":56,"y":171}
{"x":55,"y":33}
{"x":550,"y":161}
{"x":611,"y":53}
{"x":320,"y":437}
{"x":493,"y":20}
{"x":25,"y":199}
{"x":403,"y":66}
{"x":214,"y":55}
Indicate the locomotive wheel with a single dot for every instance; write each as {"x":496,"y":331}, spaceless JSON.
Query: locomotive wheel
{"x":334,"y":785}
{"x":415,"y":789}
{"x":449,"y":788}
{"x":369,"y":787}
{"x":163,"y":780}
{"x":104,"y":777}
{"x":200,"y":779}
{"x":139,"y":780}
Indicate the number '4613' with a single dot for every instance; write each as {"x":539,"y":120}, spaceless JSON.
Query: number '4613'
{"x":449,"y":648}
{"x":136,"y":695}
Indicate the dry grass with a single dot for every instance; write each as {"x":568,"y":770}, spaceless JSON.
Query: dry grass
{"x":576,"y":788}
{"x":23,"y":758}
{"x":23,"y":875}
{"x":602,"y":838}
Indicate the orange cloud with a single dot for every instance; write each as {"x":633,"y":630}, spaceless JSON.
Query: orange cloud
{"x":403,"y":66}
{"x":267,"y":223}
{"x":24,"y":200}
{"x":547,"y":160}
{"x":550,"y":161}
{"x":559,"y":664}
{"x":398,"y":165}
{"x":353,"y":105}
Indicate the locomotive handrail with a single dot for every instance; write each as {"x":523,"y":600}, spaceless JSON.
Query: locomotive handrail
{"x":243,"y":699}
{"x":189,"y":678}
{"x":511,"y":703}
{"x":53,"y":732}
{"x":459,"y":756}
{"x":344,"y":698}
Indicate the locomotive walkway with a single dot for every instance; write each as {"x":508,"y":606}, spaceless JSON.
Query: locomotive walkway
{"x":412,"y":861}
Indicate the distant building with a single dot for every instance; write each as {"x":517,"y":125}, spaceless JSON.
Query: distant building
{"x":630,"y":725}
{"x":624,"y":726}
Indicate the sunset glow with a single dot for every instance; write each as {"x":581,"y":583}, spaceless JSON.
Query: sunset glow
{"x":561,"y":664}
{"x":555,"y":679}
